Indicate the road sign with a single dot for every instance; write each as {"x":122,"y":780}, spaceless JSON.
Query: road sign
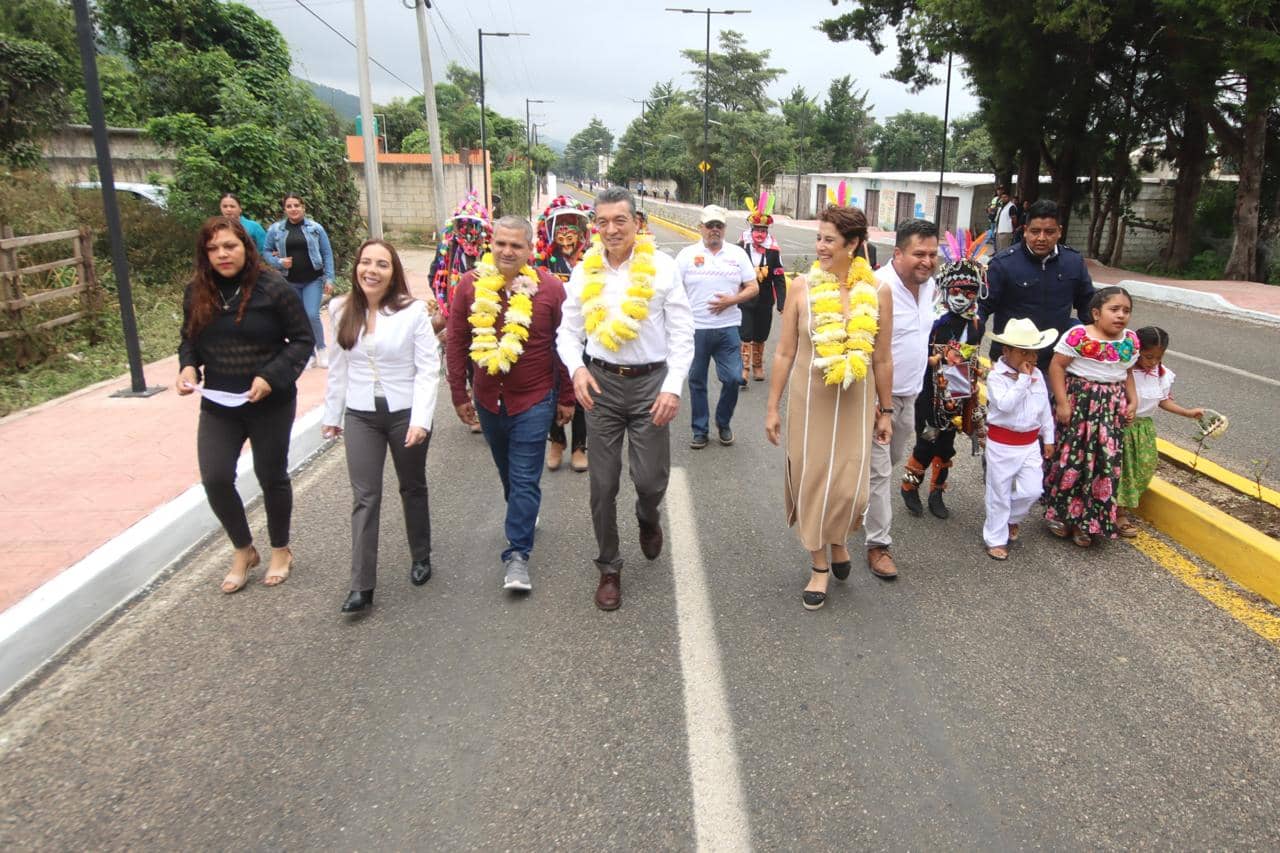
{"x":704,"y":166}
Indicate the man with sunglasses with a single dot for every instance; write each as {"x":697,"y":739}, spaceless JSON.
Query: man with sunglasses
{"x":718,"y":277}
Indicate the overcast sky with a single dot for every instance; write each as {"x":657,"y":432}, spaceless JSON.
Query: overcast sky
{"x":589,"y":58}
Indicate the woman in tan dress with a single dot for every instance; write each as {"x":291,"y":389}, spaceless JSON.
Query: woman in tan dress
{"x":829,"y":427}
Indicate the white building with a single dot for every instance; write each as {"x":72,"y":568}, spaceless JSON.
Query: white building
{"x":890,"y":197}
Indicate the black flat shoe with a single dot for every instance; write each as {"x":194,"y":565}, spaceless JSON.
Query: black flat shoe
{"x":357,"y":601}
{"x":841,"y":568}
{"x":420,"y":572}
{"x":814,"y":600}
{"x":937,"y":507}
{"x":911,"y":497}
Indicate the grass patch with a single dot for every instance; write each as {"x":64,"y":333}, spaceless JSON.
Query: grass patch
{"x":75,"y":364}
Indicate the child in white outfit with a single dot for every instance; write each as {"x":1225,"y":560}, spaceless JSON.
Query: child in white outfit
{"x":1019,"y":419}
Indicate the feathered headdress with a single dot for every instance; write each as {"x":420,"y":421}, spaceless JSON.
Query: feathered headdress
{"x":964,"y":262}
{"x":839,"y":196}
{"x":469,"y":226}
{"x":761,"y":211}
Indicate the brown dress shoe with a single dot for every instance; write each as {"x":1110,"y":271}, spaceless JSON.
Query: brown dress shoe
{"x":578,"y":461}
{"x":881,"y":563}
{"x":609,"y":592}
{"x":650,"y":540}
{"x":555,"y":456}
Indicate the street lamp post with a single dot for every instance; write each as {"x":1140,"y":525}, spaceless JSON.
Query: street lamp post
{"x":942,"y":169}
{"x":706,"y":81}
{"x":528,"y":137}
{"x":484,"y":138}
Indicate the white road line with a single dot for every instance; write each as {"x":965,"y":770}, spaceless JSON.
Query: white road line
{"x":719,"y":810}
{"x":1228,"y":368}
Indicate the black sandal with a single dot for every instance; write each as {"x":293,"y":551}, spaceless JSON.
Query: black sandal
{"x":814,"y":600}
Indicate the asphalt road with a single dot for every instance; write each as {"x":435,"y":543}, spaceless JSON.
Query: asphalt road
{"x":1062,"y":699}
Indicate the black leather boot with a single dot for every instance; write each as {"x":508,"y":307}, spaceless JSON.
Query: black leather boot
{"x":358,"y":601}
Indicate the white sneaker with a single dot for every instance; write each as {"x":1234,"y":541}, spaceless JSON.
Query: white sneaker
{"x":322,"y":358}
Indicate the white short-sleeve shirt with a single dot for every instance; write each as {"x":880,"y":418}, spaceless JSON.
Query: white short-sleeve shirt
{"x":1153,"y":387}
{"x":1097,"y":359}
{"x":912,"y":322}
{"x":706,"y":273}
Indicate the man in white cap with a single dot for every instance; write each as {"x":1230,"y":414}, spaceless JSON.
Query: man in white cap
{"x":718,"y":277}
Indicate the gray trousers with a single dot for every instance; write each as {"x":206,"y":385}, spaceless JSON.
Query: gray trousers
{"x":368,"y":435}
{"x":884,"y":458}
{"x":622,"y":411}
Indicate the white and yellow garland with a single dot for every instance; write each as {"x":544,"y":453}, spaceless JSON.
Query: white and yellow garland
{"x":843,"y":346}
{"x":497,"y":355}
{"x":611,"y":329}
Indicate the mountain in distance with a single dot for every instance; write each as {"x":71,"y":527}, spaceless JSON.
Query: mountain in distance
{"x":554,"y":144}
{"x":344,"y":104}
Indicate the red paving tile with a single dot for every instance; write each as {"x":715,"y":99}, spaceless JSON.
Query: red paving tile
{"x":116,"y":460}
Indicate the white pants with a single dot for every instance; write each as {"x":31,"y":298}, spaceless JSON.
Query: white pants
{"x":884,"y":458}
{"x":1015,"y":480}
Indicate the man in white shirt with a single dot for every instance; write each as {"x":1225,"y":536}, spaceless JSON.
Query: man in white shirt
{"x":1004,"y":221}
{"x":910,"y":275}
{"x":718,"y":277}
{"x":629,"y":377}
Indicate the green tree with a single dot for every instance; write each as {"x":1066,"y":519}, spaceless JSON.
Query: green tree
{"x":969,"y":145}
{"x":739,"y":76}
{"x":401,"y":118}
{"x":32,"y":99}
{"x":910,"y":141}
{"x":466,"y":80}
{"x":846,"y":128}
{"x":581,"y":154}
{"x":52,"y":23}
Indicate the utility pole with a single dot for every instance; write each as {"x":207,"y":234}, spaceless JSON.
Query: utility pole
{"x":706,"y":84}
{"x":528,"y":139}
{"x":484,"y":136}
{"x":366,"y":122}
{"x":942,"y":169}
{"x":433,"y":117}
{"x":110,"y":207}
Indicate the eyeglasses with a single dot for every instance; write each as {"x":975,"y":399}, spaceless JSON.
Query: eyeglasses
{"x":717,"y":225}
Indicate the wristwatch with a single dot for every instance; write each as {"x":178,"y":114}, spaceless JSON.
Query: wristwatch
{"x":882,"y":410}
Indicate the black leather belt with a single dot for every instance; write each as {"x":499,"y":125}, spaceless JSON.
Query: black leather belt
{"x":626,"y":369}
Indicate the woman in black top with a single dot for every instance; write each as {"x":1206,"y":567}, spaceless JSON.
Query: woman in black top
{"x":245,"y":330}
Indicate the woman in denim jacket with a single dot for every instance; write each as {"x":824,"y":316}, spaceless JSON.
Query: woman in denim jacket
{"x":299,"y":247}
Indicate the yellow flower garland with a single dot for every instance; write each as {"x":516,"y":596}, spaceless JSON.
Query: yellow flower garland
{"x":497,"y":355}
{"x":843,"y":346}
{"x":611,"y":330}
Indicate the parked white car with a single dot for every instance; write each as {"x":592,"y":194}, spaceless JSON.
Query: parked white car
{"x":151,"y":193}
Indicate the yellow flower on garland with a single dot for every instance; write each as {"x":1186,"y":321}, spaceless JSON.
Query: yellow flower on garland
{"x":493,"y":353}
{"x":612,"y":329}
{"x":844,"y":345}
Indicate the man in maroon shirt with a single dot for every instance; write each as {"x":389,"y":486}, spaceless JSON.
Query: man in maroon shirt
{"x":514,"y":409}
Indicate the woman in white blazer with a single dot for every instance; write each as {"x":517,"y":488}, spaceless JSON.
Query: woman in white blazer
{"x":384,"y":373}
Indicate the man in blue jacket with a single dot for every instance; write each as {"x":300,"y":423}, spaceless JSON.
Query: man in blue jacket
{"x":1038,"y":280}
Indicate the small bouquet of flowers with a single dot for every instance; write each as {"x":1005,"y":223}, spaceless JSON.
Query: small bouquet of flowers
{"x":1213,"y":425}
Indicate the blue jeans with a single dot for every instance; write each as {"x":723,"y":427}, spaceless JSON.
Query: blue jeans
{"x":311,"y":294}
{"x":725,"y":347}
{"x":517,"y":443}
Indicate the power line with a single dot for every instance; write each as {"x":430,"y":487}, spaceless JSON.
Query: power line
{"x":462,"y":48}
{"x":343,"y":36}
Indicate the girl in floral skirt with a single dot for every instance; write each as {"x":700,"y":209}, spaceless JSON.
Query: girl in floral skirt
{"x":1154,"y":384}
{"x":1095,"y":400}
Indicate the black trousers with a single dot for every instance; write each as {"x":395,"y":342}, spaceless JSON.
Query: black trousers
{"x":579,"y":424}
{"x":757,"y":320}
{"x":219,"y":439}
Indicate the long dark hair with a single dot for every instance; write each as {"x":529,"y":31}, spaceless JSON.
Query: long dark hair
{"x":354,"y":314}
{"x":205,"y":298}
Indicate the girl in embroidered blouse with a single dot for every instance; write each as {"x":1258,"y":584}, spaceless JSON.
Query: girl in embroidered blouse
{"x":1154,"y":383}
{"x":1095,"y":399}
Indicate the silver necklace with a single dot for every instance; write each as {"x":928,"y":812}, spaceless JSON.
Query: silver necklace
{"x":227,"y":303}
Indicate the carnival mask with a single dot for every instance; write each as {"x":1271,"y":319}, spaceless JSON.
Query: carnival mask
{"x":568,"y":238}
{"x":759,"y":236}
{"x":961,"y":300}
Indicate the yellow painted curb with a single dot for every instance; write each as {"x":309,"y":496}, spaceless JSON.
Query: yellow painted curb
{"x":1214,"y":471}
{"x":675,"y":226}
{"x":1244,"y":554}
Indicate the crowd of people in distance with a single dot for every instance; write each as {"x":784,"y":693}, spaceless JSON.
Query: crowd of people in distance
{"x":577,"y":326}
